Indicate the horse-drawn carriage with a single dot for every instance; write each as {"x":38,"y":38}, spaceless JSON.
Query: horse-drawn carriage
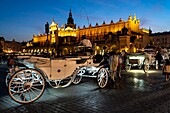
{"x":134,"y":60}
{"x":28,"y":84}
{"x":143,"y":61}
{"x":146,"y":60}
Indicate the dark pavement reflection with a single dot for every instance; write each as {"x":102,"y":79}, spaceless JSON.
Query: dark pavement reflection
{"x":135,"y":92}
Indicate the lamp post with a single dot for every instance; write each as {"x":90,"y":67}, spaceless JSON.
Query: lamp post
{"x":118,"y":39}
{"x":47,"y":31}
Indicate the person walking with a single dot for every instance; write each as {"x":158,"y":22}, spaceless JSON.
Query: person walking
{"x":166,"y":66}
{"x":166,"y":69}
{"x":119,"y":67}
{"x":159,"y":59}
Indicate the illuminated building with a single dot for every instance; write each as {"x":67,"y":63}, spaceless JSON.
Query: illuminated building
{"x":105,"y":37}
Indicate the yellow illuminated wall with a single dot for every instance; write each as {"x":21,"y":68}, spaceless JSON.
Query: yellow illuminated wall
{"x":132,"y":24}
{"x":67,"y":32}
{"x":40,"y":38}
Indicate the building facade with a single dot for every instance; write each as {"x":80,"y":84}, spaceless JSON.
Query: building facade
{"x":105,"y":37}
{"x":161,"y":39}
{"x":10,"y":46}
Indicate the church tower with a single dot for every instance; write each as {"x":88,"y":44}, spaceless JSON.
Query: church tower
{"x":70,"y":21}
{"x":53,"y":31}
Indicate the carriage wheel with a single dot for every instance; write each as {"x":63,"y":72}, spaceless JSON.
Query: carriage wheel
{"x":26,"y":86}
{"x":61,"y":83}
{"x":8,"y":76}
{"x":54,"y":83}
{"x":102,"y":77}
{"x":146,"y":65}
{"x":128,"y":67}
{"x":78,"y":76}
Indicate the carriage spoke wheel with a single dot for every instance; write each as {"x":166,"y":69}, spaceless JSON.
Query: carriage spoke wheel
{"x":78,"y":75}
{"x":146,"y":65}
{"x":102,"y":77}
{"x":54,"y":83}
{"x":26,"y":86}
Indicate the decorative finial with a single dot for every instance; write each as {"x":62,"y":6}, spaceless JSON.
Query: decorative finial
{"x":134,"y":16}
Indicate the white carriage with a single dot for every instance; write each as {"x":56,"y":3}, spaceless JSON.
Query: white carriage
{"x":28,"y":84}
{"x":151,"y":62}
{"x":134,"y":60}
{"x":141,"y":60}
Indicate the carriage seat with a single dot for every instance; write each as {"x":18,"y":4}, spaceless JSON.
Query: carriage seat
{"x":81,"y":61}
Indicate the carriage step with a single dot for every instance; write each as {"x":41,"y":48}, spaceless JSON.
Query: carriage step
{"x":90,"y":76}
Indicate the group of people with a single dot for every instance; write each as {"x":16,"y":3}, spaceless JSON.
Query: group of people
{"x":162,"y":62}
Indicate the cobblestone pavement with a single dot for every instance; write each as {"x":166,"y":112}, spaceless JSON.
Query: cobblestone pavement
{"x":136,"y":92}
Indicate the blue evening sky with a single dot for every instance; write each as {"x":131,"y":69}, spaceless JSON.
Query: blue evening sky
{"x":20,"y":19}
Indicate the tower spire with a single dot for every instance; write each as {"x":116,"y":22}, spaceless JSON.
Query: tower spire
{"x":70,"y":14}
{"x":70,"y":21}
{"x":134,"y":17}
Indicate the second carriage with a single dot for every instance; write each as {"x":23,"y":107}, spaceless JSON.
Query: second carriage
{"x":142,"y":61}
{"x":146,"y":61}
{"x":134,"y":60}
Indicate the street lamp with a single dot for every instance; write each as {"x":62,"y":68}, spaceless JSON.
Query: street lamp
{"x":118,"y":38}
{"x":47,"y":31}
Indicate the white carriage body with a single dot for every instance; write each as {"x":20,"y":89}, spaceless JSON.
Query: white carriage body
{"x":57,"y":69}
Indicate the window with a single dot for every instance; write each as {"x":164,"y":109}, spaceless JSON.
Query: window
{"x":165,"y":40}
{"x":162,"y":40}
